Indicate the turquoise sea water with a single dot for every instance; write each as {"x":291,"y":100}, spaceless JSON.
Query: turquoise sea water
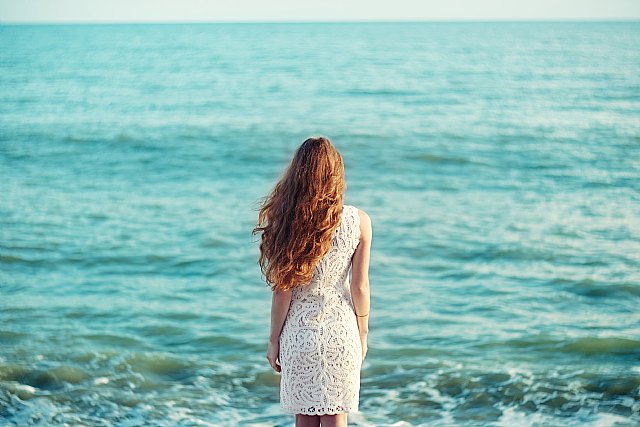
{"x":499,"y":163}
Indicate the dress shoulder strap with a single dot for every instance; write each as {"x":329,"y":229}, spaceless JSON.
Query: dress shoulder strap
{"x":354,"y":224}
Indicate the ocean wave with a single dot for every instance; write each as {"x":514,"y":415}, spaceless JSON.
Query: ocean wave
{"x":595,"y":288}
{"x":588,"y":345}
{"x":446,"y":160}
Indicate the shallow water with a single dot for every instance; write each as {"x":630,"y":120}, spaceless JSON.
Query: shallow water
{"x":497,"y":161}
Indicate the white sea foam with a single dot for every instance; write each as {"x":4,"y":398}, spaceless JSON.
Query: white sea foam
{"x":101,"y":380}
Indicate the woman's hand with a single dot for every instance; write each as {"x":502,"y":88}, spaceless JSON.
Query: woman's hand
{"x":363,"y":342}
{"x":273,"y":350}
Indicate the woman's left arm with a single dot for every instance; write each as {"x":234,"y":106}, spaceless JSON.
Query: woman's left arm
{"x":280,"y":302}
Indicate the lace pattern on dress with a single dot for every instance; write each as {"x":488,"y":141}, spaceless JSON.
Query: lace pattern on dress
{"x":320,"y":350}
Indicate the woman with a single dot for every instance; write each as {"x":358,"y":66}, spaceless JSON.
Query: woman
{"x":319,"y":321}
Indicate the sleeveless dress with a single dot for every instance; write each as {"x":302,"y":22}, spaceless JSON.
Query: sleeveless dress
{"x":320,"y":349}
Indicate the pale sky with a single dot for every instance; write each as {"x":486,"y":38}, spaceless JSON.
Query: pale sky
{"x":310,"y":10}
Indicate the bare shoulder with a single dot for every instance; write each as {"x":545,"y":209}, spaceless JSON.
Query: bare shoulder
{"x":364,"y":217}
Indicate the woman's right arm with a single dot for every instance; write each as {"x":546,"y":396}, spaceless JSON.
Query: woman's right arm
{"x":360,"y":294}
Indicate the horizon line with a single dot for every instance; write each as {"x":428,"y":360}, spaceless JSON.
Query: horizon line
{"x":323,"y":21}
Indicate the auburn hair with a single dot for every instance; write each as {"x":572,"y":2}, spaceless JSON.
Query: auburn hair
{"x":298,"y":218}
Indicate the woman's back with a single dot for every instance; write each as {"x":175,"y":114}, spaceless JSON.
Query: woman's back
{"x":330,"y":279}
{"x":320,"y":349}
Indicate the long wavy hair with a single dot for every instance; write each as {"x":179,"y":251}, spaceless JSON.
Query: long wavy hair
{"x":298,"y":218}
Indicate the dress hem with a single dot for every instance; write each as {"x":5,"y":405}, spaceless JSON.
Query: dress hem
{"x":295,"y":411}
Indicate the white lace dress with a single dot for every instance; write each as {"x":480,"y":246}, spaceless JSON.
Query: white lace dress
{"x":320,"y":350}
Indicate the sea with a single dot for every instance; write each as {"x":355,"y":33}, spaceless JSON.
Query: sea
{"x":499,"y":163}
